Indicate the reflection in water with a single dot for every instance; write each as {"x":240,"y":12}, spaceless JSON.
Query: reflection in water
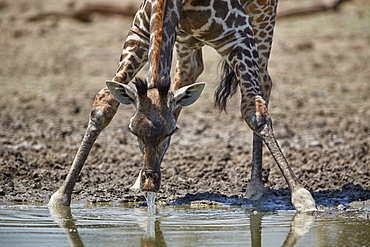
{"x":153,"y":236}
{"x":300,"y":225}
{"x":256,"y":228}
{"x":63,"y":216}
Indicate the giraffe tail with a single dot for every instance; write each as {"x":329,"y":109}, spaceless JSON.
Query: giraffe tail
{"x":227,"y":87}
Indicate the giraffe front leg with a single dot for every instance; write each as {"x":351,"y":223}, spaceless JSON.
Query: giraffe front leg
{"x":104,"y":109}
{"x":301,"y":198}
{"x":255,"y":113}
{"x":243,"y":57}
{"x":133,"y":58}
{"x":260,"y":122}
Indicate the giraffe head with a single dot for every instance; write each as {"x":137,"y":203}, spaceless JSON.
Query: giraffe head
{"x":153,"y":122}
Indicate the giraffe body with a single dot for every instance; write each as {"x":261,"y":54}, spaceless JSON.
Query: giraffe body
{"x":241,"y":32}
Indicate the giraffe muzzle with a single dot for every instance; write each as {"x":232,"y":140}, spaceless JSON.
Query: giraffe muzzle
{"x":150,"y":180}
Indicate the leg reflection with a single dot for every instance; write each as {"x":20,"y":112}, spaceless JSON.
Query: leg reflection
{"x":300,"y":225}
{"x":63,"y":216}
{"x":153,"y":236}
{"x":256,"y":228}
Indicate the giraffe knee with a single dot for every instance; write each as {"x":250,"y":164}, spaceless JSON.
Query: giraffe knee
{"x":104,"y":109}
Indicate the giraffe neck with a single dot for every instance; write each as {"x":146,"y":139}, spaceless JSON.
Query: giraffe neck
{"x":165,"y":15}
{"x":156,"y":27}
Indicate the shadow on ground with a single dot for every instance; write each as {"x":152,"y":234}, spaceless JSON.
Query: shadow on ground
{"x":280,"y":199}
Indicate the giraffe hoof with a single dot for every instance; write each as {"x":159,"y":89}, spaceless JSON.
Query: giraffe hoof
{"x":255,"y":190}
{"x":59,"y":199}
{"x":303,"y":201}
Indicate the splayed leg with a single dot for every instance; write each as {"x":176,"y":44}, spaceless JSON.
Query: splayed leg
{"x":261,"y":123}
{"x":62,"y":197}
{"x":301,"y":198}
{"x":104,"y":109}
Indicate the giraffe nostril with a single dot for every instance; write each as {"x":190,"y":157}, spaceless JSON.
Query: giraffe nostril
{"x":150,"y":174}
{"x":155,"y":177}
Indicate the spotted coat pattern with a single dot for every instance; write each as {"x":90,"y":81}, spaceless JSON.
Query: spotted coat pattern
{"x":240,"y":31}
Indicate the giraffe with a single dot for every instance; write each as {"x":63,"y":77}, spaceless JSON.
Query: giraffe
{"x":241,"y":32}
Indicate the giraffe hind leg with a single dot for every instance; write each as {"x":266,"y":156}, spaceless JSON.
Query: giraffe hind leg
{"x":262,"y":15}
{"x":227,"y":88}
{"x":188,"y":68}
{"x":255,"y":187}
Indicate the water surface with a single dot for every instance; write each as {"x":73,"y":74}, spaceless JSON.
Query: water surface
{"x":129,"y":225}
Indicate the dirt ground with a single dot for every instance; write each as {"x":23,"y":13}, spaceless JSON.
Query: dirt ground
{"x":50,"y":71}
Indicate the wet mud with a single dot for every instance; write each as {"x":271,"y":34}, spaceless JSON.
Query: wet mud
{"x":51,"y":70}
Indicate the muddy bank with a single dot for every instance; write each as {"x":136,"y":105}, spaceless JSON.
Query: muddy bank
{"x":319,"y":105}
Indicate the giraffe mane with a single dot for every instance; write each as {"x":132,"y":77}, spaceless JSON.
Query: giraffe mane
{"x":156,"y":26}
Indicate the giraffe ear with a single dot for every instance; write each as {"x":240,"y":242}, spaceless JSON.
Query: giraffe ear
{"x":188,"y":95}
{"x":122,"y":93}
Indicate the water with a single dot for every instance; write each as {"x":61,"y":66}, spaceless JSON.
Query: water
{"x":129,"y":225}
{"x":150,"y":200}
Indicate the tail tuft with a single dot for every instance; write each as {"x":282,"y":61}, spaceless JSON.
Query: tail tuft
{"x":227,"y":87}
